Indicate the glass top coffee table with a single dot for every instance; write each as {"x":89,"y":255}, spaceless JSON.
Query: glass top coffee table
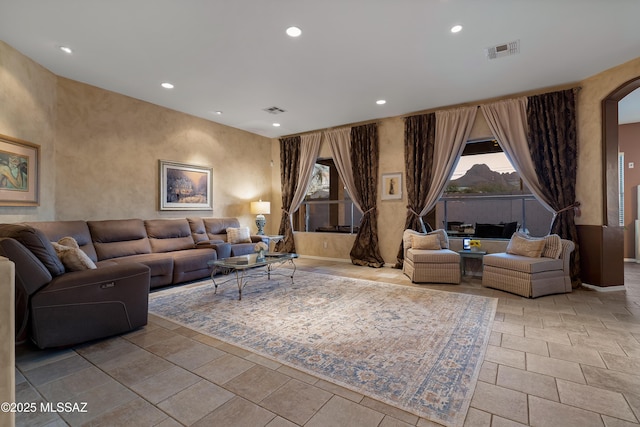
{"x":247,"y":267}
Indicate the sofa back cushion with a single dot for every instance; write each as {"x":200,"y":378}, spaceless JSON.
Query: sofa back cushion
{"x":198,"y":231}
{"x":56,"y":230}
{"x":216,"y":228}
{"x":37,"y":242}
{"x":119,"y":237}
{"x":166,"y":235}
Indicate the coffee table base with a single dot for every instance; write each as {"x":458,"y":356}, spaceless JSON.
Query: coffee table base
{"x":244,"y":275}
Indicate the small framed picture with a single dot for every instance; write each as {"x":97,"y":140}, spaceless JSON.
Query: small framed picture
{"x":466,"y":243}
{"x":19,"y":172}
{"x":391,"y":186}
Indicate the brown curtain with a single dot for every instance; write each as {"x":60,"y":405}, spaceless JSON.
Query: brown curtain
{"x":289,"y":159}
{"x":553,"y":145}
{"x":419,"y":142}
{"x":364,"y":161}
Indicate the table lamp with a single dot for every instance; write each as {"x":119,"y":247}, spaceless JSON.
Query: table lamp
{"x":260,"y":208}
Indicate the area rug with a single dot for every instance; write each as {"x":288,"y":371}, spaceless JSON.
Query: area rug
{"x":416,"y":349}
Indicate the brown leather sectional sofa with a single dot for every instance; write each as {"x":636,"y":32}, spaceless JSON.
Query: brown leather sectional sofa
{"x":55,"y":307}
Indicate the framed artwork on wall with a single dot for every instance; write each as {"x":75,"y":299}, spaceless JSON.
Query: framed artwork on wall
{"x":185,"y":187}
{"x":391,"y":186}
{"x":19,"y":172}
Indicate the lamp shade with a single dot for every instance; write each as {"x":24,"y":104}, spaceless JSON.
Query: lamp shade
{"x":261,"y":207}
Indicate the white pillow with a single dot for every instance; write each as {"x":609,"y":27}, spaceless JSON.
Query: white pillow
{"x":73,"y":259}
{"x":238,"y":235}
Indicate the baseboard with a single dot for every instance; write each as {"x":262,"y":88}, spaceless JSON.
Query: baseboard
{"x":604,"y":288}
{"x":322,"y":258}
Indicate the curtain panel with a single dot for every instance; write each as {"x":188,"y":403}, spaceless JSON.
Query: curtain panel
{"x":340,"y":144}
{"x":419,"y":140}
{"x":309,"y":147}
{"x":289,"y":159}
{"x":552,"y":136}
{"x":507,"y":121}
{"x":365,"y":157}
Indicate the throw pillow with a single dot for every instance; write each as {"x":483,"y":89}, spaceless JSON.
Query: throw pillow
{"x":521,"y":244}
{"x":444,"y":239}
{"x":73,"y":259}
{"x":552,"y":246}
{"x":430,"y":241}
{"x":407,"y":238}
{"x":238,"y":235}
{"x":69,"y":241}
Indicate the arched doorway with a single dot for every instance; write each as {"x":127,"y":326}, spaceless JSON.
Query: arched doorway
{"x":611,"y":205}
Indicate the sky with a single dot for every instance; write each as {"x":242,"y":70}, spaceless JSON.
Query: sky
{"x":497,"y":162}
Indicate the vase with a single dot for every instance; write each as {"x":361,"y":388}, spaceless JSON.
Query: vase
{"x":260,"y":256}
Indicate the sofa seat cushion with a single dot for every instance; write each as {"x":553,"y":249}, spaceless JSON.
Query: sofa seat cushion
{"x":522,"y":263}
{"x":192,"y":264}
{"x":161,"y":266}
{"x":438,"y":256}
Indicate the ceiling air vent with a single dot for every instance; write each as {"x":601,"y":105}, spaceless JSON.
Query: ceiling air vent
{"x":505,"y":49}
{"x":274,"y":110}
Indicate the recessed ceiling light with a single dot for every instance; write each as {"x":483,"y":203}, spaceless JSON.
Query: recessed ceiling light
{"x":456,"y":28}
{"x":217,"y":113}
{"x":294,"y":31}
{"x":381,"y":102}
{"x":167,"y":85}
{"x":66,"y":49}
{"x":276,"y":125}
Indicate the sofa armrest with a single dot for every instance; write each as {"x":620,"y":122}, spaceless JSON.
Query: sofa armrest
{"x":223,"y":250}
{"x":106,"y":274}
{"x":567,"y":247}
{"x":255,"y":239}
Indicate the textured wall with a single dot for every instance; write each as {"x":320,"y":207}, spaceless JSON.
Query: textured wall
{"x":594,"y":89}
{"x":108,"y":147}
{"x":28,"y":112}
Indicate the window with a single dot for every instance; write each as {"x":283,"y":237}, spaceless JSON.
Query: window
{"x":327,"y":206}
{"x":486,"y":197}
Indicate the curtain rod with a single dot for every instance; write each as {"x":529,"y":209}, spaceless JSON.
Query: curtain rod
{"x":576,"y":87}
{"x":350,"y":125}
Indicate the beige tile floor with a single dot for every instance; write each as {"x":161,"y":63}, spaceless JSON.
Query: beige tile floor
{"x":563,"y":360}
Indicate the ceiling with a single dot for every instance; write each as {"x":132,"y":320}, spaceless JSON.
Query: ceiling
{"x":233,"y":56}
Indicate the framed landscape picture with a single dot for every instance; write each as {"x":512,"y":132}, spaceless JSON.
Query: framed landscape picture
{"x":391,"y":186}
{"x":185,"y":187}
{"x":19,"y":172}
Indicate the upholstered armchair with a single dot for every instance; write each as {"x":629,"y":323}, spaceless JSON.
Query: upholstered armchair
{"x":428,"y":259}
{"x":530,"y":267}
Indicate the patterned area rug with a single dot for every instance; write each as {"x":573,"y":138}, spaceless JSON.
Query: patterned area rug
{"x":417,"y":349}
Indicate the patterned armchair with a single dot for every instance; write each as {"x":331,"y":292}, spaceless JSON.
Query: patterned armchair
{"x":428,"y":259}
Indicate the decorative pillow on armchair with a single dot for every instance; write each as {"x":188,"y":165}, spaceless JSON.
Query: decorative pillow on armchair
{"x":408,"y":235}
{"x":521,"y":244}
{"x":238,"y":235}
{"x":430,"y":241}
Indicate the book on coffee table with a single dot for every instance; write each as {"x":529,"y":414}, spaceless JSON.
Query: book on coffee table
{"x":276,"y":254}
